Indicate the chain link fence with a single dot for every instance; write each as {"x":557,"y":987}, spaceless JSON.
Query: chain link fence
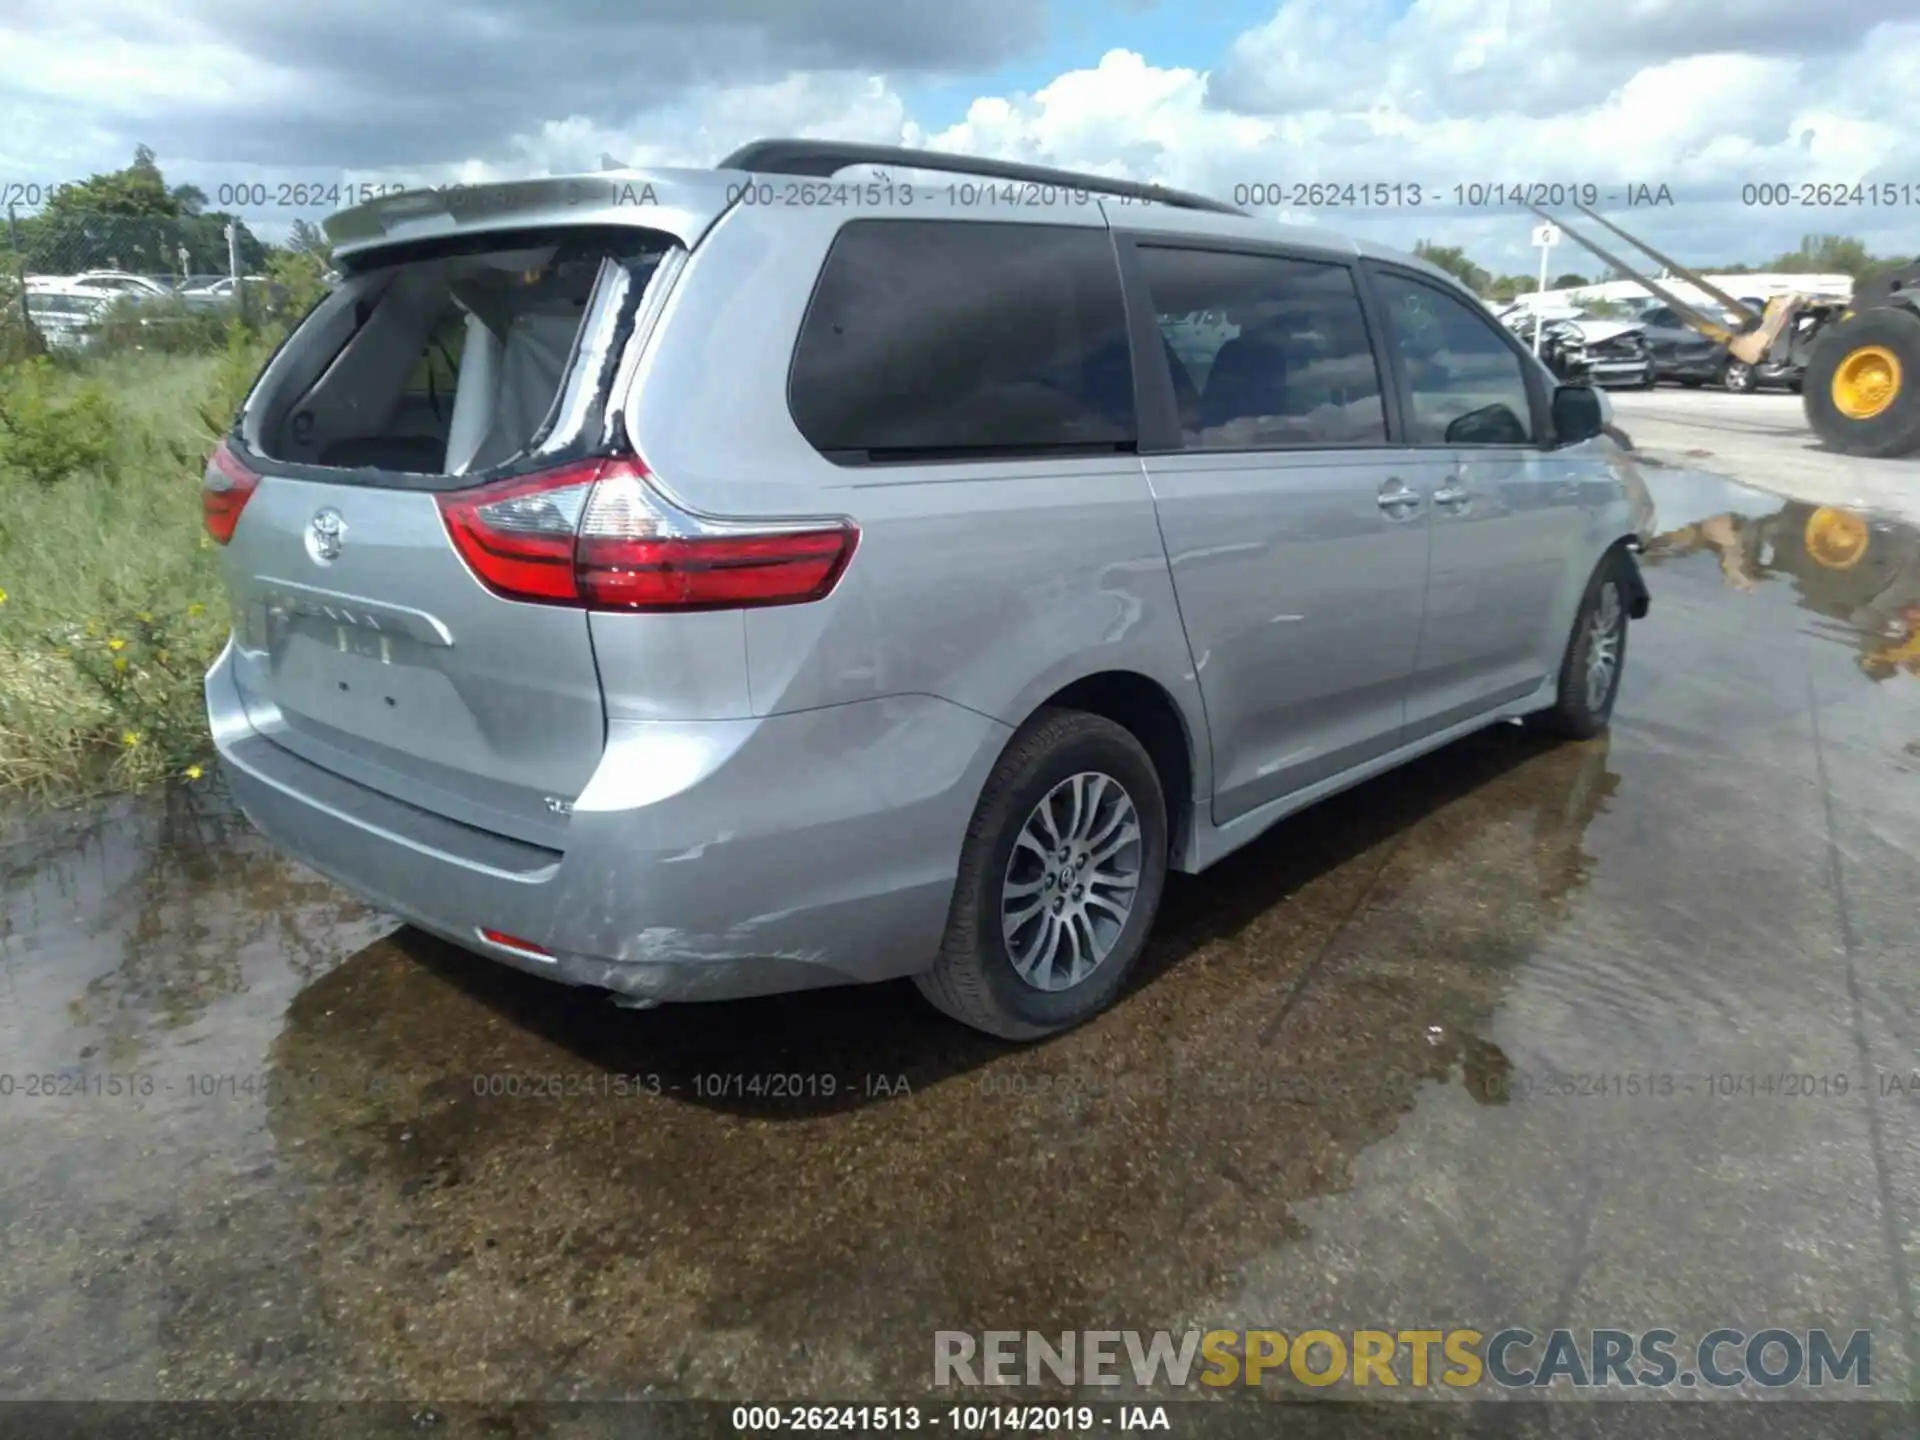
{"x":84,"y":284}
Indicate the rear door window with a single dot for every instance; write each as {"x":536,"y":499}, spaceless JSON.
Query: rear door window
{"x":1281,"y":357}
{"x":954,"y":340}
{"x":453,"y":360}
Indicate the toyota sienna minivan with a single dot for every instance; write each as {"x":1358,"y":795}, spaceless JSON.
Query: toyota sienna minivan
{"x":699,"y":584}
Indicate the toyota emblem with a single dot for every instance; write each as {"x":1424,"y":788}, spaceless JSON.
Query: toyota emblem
{"x":323,"y":536}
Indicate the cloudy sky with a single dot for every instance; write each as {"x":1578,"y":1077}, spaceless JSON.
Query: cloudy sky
{"x":1702,"y":96}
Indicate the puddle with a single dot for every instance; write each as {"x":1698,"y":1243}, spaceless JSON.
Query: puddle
{"x":1375,"y":1072}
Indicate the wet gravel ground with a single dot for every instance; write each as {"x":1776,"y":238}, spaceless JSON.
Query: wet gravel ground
{"x":1619,"y":1033}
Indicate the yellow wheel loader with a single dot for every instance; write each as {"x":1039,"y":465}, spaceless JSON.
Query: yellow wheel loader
{"x":1859,"y":359}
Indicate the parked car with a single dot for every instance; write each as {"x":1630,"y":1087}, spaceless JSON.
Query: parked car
{"x":1561,"y":346}
{"x":118,"y":283}
{"x":65,"y":315}
{"x":221,"y":291}
{"x":1680,"y":352}
{"x":1744,"y":379}
{"x":1578,"y":345}
{"x":924,"y":635}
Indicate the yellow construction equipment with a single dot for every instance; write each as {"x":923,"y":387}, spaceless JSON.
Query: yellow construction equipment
{"x":1859,"y":359}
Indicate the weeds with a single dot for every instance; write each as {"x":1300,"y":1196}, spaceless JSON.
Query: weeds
{"x":54,"y":426}
{"x":110,"y":602}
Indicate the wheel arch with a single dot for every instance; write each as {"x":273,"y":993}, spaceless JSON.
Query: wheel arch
{"x":1625,"y":553}
{"x":1145,"y":708}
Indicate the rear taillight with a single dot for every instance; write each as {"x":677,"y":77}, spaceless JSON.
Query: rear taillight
{"x":224,"y":492}
{"x":598,"y":535}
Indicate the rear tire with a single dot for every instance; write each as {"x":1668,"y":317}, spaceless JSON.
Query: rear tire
{"x":1014,"y":961}
{"x":1583,"y":704}
{"x":1861,"y":390}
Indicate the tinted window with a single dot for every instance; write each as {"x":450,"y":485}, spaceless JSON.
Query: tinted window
{"x":1659,"y":316}
{"x":1464,"y":381}
{"x":1264,"y":352}
{"x":933,"y":338}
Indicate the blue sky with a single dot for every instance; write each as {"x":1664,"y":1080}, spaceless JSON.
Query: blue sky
{"x":1209,"y":95}
{"x":1174,"y":34}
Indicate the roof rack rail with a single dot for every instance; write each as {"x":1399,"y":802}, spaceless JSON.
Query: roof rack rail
{"x":825,"y":158}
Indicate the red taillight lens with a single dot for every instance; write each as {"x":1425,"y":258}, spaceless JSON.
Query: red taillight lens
{"x":513,"y":942}
{"x":224,"y":492}
{"x":598,"y":535}
{"x":519,"y":535}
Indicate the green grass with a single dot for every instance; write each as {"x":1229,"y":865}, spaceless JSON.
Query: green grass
{"x":112,"y":605}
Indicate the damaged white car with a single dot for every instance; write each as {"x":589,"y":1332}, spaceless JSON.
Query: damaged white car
{"x":1583,"y":348}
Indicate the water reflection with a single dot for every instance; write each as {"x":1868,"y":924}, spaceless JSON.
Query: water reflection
{"x":583,"y":1241}
{"x":1860,"y":573}
{"x":143,"y":916}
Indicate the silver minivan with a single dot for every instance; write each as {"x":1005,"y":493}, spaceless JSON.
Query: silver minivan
{"x":699,"y":584}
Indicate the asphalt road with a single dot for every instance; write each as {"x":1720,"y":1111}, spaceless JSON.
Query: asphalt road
{"x":1619,"y":1033}
{"x":1763,"y":440}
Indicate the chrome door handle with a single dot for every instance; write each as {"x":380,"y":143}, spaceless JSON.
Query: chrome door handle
{"x":1398,"y":499}
{"x":1453,"y":498}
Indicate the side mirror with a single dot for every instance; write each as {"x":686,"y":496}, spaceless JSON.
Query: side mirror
{"x":1489,"y":425}
{"x":1579,"y":413}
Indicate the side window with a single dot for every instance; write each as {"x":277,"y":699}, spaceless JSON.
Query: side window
{"x":935,"y":339}
{"x":1265,"y":352}
{"x":1465,"y":384}
{"x":1659,"y":315}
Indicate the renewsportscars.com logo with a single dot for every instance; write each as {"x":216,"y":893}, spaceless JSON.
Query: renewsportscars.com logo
{"x":1460,"y":1359}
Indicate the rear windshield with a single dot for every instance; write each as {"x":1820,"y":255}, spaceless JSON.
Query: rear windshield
{"x":452,"y":360}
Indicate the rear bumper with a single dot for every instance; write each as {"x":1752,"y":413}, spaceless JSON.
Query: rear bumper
{"x":704,"y":861}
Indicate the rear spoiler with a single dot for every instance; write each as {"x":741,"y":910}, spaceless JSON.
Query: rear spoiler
{"x":683,"y":203}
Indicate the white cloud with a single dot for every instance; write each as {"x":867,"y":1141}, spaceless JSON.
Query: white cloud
{"x":1702,"y":96}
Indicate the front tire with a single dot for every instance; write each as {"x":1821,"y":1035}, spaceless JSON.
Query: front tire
{"x":1862,"y":384}
{"x":1060,"y":879}
{"x":1596,"y":655}
{"x":1738,"y":378}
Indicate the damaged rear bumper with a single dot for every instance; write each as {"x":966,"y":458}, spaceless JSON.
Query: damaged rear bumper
{"x":704,"y":861}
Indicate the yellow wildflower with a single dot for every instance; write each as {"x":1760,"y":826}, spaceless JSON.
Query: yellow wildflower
{"x":119,"y":662}
{"x":116,"y":643}
{"x":130,"y":738}
{"x":3,"y":597}
{"x":194,"y":772}
{"x":196,"y":608}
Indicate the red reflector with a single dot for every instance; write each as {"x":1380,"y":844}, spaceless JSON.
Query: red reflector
{"x":513,"y":942}
{"x":224,"y":492}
